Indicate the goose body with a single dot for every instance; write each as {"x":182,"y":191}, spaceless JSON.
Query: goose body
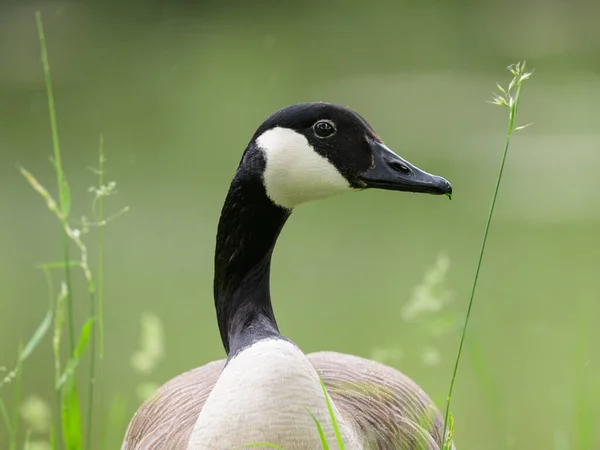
{"x":267,"y":390}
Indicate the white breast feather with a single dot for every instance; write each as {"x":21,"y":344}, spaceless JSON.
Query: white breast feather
{"x":264,"y":395}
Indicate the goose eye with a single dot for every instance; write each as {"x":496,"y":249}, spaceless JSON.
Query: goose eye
{"x":324,"y":128}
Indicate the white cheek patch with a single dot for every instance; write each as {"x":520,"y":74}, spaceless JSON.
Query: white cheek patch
{"x":295,"y":173}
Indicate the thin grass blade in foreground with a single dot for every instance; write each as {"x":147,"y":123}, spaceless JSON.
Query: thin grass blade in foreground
{"x":71,"y":416}
{"x":100,"y":192}
{"x":508,"y":98}
{"x":320,"y":430}
{"x":336,"y":428}
{"x":64,"y":196}
{"x":12,"y":424}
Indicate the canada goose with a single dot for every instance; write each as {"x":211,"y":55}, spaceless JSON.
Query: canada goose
{"x":264,"y":389}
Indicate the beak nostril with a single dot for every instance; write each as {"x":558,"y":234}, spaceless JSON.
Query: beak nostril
{"x":399,"y":167}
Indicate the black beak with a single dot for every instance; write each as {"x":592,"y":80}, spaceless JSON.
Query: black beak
{"x":389,"y":171}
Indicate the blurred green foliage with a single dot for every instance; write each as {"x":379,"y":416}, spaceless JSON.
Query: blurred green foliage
{"x":177,"y":91}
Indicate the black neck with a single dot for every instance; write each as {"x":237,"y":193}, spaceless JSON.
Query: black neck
{"x":248,"y":229}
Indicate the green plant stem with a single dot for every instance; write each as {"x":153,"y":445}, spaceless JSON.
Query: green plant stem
{"x":100,"y":286}
{"x":6,"y":419}
{"x":59,"y":173}
{"x":91,"y":377}
{"x":100,"y":252}
{"x":334,"y":422}
{"x":511,"y":126}
{"x":16,"y":403}
{"x":97,"y":335}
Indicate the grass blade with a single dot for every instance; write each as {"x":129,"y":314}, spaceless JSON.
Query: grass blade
{"x":336,"y":428}
{"x":320,"y":430}
{"x":59,"y":320}
{"x":5,"y":418}
{"x":37,"y":336}
{"x":448,"y":440}
{"x":511,"y":101}
{"x":16,"y":402}
{"x":82,"y":343}
{"x":12,"y":425}
{"x":91,"y":377}
{"x":97,"y":336}
{"x":24,"y":353}
{"x":100,"y":219}
{"x":64,"y":195}
{"x":71,"y":416}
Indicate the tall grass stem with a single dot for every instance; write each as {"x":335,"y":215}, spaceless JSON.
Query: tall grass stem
{"x":63,"y":194}
{"x":98,"y":334}
{"x":512,"y":102}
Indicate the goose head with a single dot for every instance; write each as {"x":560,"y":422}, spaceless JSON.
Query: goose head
{"x":303,"y":152}
{"x":310,"y":151}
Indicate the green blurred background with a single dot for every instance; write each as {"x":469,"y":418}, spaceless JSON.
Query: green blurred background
{"x":177,"y":91}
